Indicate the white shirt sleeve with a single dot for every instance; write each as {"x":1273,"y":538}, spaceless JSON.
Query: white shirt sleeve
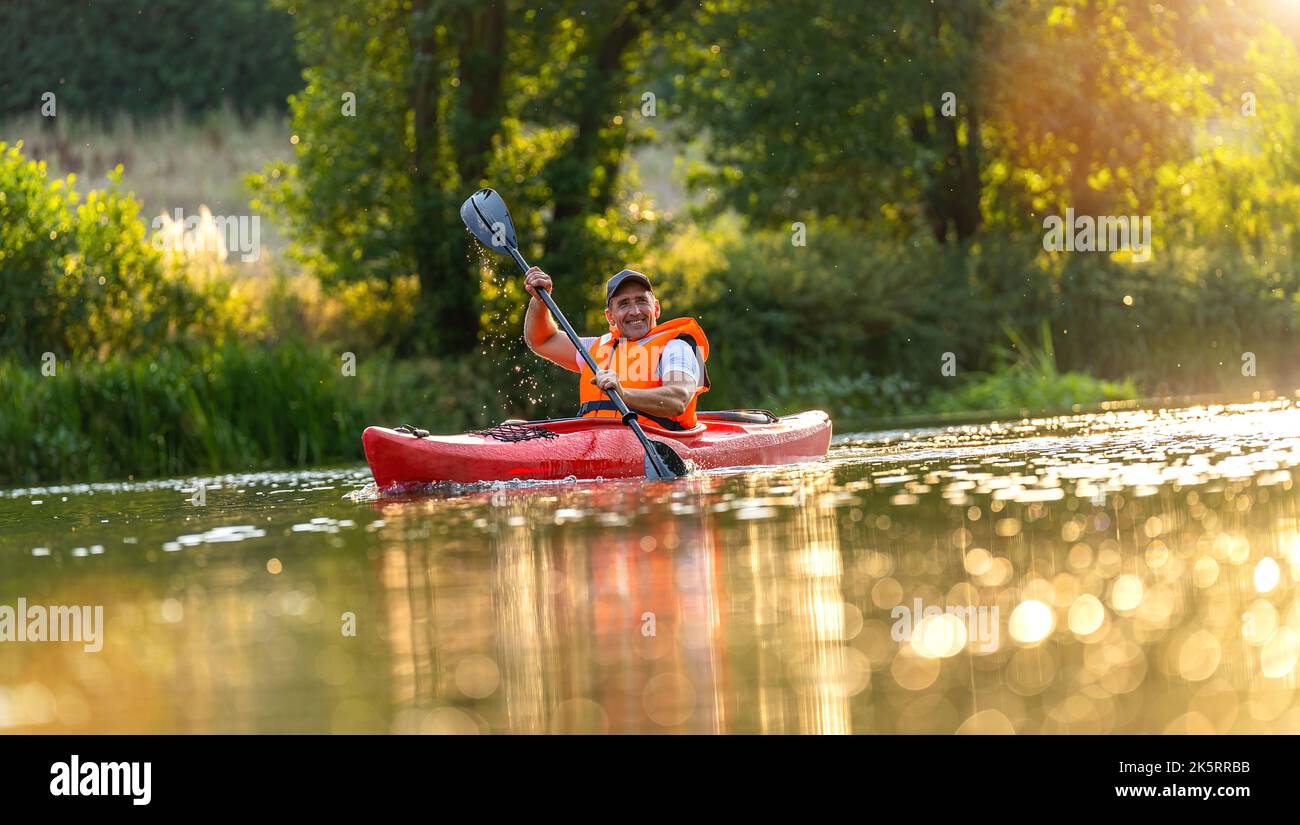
{"x":679,"y":356}
{"x":587,"y":341}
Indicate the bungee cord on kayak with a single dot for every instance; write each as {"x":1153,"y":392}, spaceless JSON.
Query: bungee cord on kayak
{"x":513,"y":433}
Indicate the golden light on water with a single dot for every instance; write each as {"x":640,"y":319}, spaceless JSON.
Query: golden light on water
{"x":1237,"y":547}
{"x":1086,"y":615}
{"x":1031,"y":622}
{"x":938,"y":637}
{"x":477,"y":676}
{"x":448,"y":721}
{"x":669,"y":699}
{"x":848,"y":672}
{"x":579,"y":716}
{"x":1289,"y":544}
{"x":852,"y":620}
{"x":978,"y":561}
{"x":1032,"y":670}
{"x":1259,"y":622}
{"x":987,"y":722}
{"x":1157,"y":555}
{"x":912,"y":671}
{"x":1156,"y":594}
{"x":1267,"y":574}
{"x":886,"y":593}
{"x":1278,"y":658}
{"x":1199,"y":656}
{"x":1205,"y":572}
{"x":1126,"y":594}
{"x":999,"y":572}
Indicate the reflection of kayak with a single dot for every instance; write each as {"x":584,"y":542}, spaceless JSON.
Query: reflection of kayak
{"x":591,"y":447}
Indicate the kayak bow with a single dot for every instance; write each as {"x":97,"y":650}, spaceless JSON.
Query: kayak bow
{"x":590,"y":448}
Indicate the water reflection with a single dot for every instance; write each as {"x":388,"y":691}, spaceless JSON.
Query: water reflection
{"x":602,"y":617}
{"x":1089,"y":574}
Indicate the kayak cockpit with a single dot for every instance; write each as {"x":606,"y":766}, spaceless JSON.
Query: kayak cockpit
{"x":716,"y":421}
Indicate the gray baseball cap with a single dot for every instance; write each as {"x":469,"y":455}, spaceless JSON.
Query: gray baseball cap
{"x":621,"y":278}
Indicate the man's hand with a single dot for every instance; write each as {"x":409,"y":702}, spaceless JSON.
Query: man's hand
{"x":607,"y":381}
{"x":535,"y":279}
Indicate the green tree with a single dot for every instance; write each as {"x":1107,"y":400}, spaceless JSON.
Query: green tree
{"x":106,"y":57}
{"x":451,"y":96}
{"x":813,"y":108}
{"x":955,"y":115}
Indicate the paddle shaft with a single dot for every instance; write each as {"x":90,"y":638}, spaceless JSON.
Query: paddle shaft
{"x":629,"y":418}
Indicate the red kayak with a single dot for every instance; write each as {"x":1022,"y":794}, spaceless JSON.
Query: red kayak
{"x":591,"y":447}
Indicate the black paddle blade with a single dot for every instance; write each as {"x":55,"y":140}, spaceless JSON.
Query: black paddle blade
{"x":485,"y":213}
{"x":670,"y":459}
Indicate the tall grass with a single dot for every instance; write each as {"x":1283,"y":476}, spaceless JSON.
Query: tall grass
{"x":216,"y":409}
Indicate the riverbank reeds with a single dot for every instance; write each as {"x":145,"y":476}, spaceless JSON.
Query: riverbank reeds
{"x":233,"y":407}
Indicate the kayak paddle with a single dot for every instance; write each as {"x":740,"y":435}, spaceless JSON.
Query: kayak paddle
{"x":485,"y":214}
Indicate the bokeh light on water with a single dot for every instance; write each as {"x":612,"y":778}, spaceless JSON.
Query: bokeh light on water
{"x":1120,"y":572}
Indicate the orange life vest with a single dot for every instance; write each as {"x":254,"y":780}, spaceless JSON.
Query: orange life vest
{"x":637,"y":366}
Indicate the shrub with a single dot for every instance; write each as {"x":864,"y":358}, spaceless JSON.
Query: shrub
{"x":76,"y":276}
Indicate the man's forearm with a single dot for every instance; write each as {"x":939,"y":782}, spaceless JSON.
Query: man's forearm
{"x":668,"y":400}
{"x":539,"y":326}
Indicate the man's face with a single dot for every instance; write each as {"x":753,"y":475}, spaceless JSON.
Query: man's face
{"x":633,"y":310}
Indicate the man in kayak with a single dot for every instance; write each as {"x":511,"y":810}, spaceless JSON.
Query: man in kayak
{"x":658,"y":368}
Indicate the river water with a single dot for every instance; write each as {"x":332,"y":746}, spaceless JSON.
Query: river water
{"x":1119,"y":572}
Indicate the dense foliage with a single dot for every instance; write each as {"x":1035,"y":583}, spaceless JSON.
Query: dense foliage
{"x":450,"y":97}
{"x":103,"y":58}
{"x":76,"y":274}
